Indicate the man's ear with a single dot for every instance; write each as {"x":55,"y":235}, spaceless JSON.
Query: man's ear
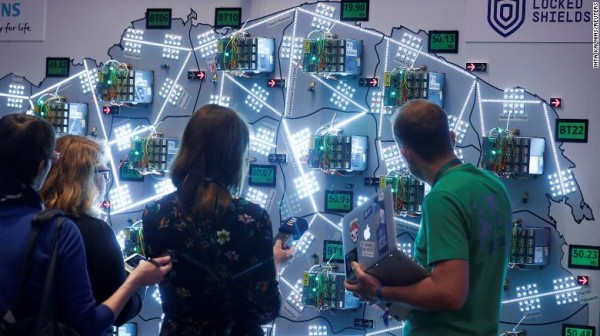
{"x":406,"y":153}
{"x":453,"y":138}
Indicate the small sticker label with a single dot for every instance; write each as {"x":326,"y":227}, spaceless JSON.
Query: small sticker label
{"x":354,"y":230}
{"x":367,"y":249}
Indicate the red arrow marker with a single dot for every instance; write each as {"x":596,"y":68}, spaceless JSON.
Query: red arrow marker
{"x":471,"y":67}
{"x":106,"y":109}
{"x":583,"y":280}
{"x":271,"y":83}
{"x":556,"y":102}
{"x":373,"y":82}
{"x":201,"y":74}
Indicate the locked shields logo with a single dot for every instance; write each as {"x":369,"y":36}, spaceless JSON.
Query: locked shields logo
{"x":506,"y":16}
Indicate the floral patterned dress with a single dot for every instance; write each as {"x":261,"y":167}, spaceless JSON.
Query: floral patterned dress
{"x":223,"y":280}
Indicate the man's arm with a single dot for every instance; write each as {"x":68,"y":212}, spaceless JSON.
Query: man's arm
{"x":446,"y":289}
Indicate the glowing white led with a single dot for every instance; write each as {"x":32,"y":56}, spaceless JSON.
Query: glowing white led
{"x":342,"y":96}
{"x":269,"y":329}
{"x":156,"y":295}
{"x":290,"y":206}
{"x":219,"y":100}
{"x":407,"y":248}
{"x":482,"y":130}
{"x":325,"y":10}
{"x":459,"y":153}
{"x":295,"y":296}
{"x":163,"y":187}
{"x":305,"y":242}
{"x":387,"y":330}
{"x":288,"y":44}
{"x":88,"y":80}
{"x":361,"y":200}
{"x":256,"y":196}
{"x":459,"y":127}
{"x":392,"y":158}
{"x":16,"y":89}
{"x":134,"y":34}
{"x":119,"y":197}
{"x":122,"y":135}
{"x":263,"y":140}
{"x":121,"y":239}
{"x":14,"y":103}
{"x":300,"y":142}
{"x":320,"y":24}
{"x":256,"y":98}
{"x":408,"y":49}
{"x":562,"y":183}
{"x":317,"y":330}
{"x":306,"y":185}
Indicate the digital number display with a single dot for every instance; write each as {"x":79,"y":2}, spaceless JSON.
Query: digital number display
{"x":158,"y":18}
{"x":443,"y":41}
{"x":578,"y":330}
{"x":333,"y":251}
{"x":581,"y":256}
{"x":338,"y":201}
{"x":354,"y":10}
{"x":228,"y":17}
{"x":262,"y":175}
{"x":571,"y":130}
{"x":57,"y":66}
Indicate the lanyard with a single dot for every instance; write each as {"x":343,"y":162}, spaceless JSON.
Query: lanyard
{"x":450,"y":164}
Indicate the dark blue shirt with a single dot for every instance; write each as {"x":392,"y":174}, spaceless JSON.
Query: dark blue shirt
{"x":75,"y":304}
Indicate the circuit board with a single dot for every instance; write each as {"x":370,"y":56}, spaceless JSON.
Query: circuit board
{"x":338,"y":152}
{"x":246,"y":54}
{"x":332,"y":56}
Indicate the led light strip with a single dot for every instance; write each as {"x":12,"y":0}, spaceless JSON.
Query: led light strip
{"x":162,"y":108}
{"x":462,"y":112}
{"x":541,"y":295}
{"x":284,"y":280}
{"x":555,"y":155}
{"x":510,"y":101}
{"x":253,"y":95}
{"x":330,"y":222}
{"x":404,"y":221}
{"x":57,"y":85}
{"x":261,"y":141}
{"x":338,"y":22}
{"x":288,"y":99}
{"x":362,"y":108}
{"x":434,"y":58}
{"x":162,"y":45}
{"x":8,"y":95}
{"x":379,"y":332}
{"x":142,"y":130}
{"x":482,"y":133}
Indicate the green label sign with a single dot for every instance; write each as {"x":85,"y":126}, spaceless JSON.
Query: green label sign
{"x":338,"y":201}
{"x":262,"y":175}
{"x":571,"y":130}
{"x":581,"y":256}
{"x":443,"y":41}
{"x":57,"y":66}
{"x":158,"y":18}
{"x":578,"y":330}
{"x":355,"y":10}
{"x":228,"y":17}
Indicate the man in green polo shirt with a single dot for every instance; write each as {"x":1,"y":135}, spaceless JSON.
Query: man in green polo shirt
{"x":464,"y":236}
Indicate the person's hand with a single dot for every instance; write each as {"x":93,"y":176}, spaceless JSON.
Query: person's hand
{"x":150,"y":272}
{"x":366,"y":286}
{"x":280,"y":255}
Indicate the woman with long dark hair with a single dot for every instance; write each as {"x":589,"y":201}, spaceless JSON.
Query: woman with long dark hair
{"x":224,"y":281}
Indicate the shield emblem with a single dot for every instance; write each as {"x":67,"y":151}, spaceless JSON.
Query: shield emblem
{"x":506,"y":16}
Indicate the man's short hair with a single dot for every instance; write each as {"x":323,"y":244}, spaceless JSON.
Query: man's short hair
{"x":423,"y":127}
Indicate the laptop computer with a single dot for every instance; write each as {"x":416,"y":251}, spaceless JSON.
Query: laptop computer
{"x":369,"y":236}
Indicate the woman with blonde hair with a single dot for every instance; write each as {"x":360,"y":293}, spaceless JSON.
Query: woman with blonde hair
{"x":77,"y":184}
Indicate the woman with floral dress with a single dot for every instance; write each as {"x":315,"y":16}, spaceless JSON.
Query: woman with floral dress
{"x":224,"y":280}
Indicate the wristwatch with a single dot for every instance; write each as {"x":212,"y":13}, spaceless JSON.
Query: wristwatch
{"x":378,"y":293}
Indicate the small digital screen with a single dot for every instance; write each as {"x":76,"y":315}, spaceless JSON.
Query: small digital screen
{"x":57,"y":66}
{"x":586,"y":257}
{"x":228,"y":17}
{"x":158,"y":18}
{"x":571,"y":130}
{"x":443,"y":41}
{"x":262,"y":175}
{"x":354,"y":10}
{"x":338,"y":201}
{"x":578,"y":330}
{"x":333,"y":251}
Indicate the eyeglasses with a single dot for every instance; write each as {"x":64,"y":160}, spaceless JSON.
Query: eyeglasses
{"x":105,"y":173}
{"x":55,"y":157}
